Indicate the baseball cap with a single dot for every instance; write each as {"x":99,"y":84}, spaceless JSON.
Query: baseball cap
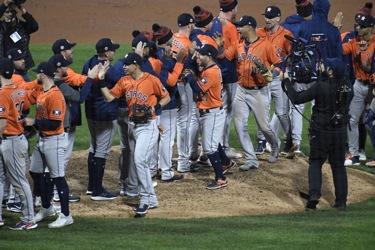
{"x":185,"y":19}
{"x":46,"y":68}
{"x":272,"y":12}
{"x":6,"y":66}
{"x":207,"y":50}
{"x":227,"y":5}
{"x":106,"y":44}
{"x":337,"y":65}
{"x":59,"y":61}
{"x":61,"y":45}
{"x":364,"y":20}
{"x":202,"y":17}
{"x":14,"y":54}
{"x":132,"y":58}
{"x":304,"y":8}
{"x":162,"y":33}
{"x":143,"y":39}
{"x":247,"y":20}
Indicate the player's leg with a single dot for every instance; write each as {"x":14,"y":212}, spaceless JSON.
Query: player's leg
{"x":2,"y":182}
{"x":185,"y":106}
{"x":260,"y":104}
{"x":90,"y":158}
{"x":155,"y":152}
{"x":228,"y":95}
{"x":146,"y":135}
{"x":241,"y":117}
{"x":356,"y":108}
{"x":168,"y":124}
{"x":193,"y":135}
{"x":15,"y":152}
{"x":105,"y":133}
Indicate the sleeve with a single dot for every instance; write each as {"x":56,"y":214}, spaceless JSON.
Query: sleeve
{"x":231,"y":52}
{"x":159,"y":90}
{"x":56,"y":107}
{"x":74,"y":79}
{"x":118,"y":91}
{"x":173,"y":76}
{"x":273,"y":57}
{"x":206,"y":81}
{"x":69,"y":93}
{"x":300,"y":97}
{"x":30,"y":23}
{"x":346,"y":48}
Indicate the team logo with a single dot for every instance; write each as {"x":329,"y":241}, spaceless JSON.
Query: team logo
{"x":203,"y":80}
{"x":62,"y":47}
{"x":56,"y":112}
{"x":2,"y":109}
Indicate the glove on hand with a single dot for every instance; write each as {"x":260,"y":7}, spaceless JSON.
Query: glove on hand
{"x":141,"y":113}
{"x":266,"y":73}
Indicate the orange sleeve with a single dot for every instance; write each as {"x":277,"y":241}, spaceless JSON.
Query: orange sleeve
{"x":118,"y":90}
{"x":231,"y":52}
{"x":75,"y":79}
{"x":173,"y":76}
{"x":156,"y":65}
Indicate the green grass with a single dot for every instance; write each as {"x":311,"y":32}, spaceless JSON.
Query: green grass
{"x":322,"y":229}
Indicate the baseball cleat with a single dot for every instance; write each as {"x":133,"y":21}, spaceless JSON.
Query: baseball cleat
{"x":62,"y":221}
{"x":231,"y":153}
{"x":248,"y":165}
{"x":261,"y":147}
{"x":175,"y":177}
{"x":21,"y":225}
{"x":217,"y":184}
{"x":105,"y":196}
{"x":226,"y":168}
{"x":44,"y":212}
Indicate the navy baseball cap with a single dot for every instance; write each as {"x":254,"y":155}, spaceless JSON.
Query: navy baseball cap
{"x":207,"y":50}
{"x":247,"y":20}
{"x":106,"y":44}
{"x":143,"y":39}
{"x":185,"y":19}
{"x":132,"y":58}
{"x":364,"y":20}
{"x":6,"y":66}
{"x":272,"y":12}
{"x":61,"y":45}
{"x":46,"y":68}
{"x":59,"y":61}
{"x":14,"y":54}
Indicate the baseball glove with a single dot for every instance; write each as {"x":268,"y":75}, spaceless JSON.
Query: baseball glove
{"x":141,"y":113}
{"x":266,"y":74}
{"x":29,"y":131}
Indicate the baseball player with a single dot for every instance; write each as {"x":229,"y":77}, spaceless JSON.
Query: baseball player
{"x":211,"y":119}
{"x":14,"y":145}
{"x":224,"y":24}
{"x":203,"y":24}
{"x":185,"y":95}
{"x":101,"y":120}
{"x":140,"y":88}
{"x":49,"y":151}
{"x":71,"y":96}
{"x":274,"y":33}
{"x":252,"y":93}
{"x":362,"y":50}
{"x":292,"y":23}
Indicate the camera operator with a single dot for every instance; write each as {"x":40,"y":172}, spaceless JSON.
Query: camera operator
{"x":15,"y":33}
{"x":327,"y":131}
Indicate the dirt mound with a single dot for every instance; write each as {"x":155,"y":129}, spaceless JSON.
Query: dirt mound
{"x":273,"y":188}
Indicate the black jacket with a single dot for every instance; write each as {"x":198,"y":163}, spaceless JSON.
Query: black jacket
{"x":24,"y":29}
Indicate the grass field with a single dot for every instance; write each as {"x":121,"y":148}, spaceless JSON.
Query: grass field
{"x":322,"y":229}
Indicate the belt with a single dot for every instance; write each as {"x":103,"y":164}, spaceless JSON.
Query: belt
{"x":364,"y":82}
{"x":44,"y":135}
{"x":66,"y":130}
{"x":10,"y":136}
{"x":252,"y":88}
{"x":205,"y":111}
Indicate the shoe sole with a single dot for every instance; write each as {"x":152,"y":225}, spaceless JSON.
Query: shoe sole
{"x":23,"y":228}
{"x":69,"y":223}
{"x":75,"y":200}
{"x":217,"y":187}
{"x":172,"y":180}
{"x":88,"y":192}
{"x":312,"y":204}
{"x":14,"y":210}
{"x":99,"y":198}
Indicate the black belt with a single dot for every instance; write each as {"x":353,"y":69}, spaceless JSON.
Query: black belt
{"x":44,"y":135}
{"x":66,"y":130}
{"x":205,"y":111}
{"x":9,"y":136}
{"x":364,"y":82}
{"x":252,"y":88}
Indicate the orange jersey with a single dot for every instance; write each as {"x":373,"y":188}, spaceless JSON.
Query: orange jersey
{"x":179,"y":42}
{"x":359,"y":57}
{"x":282,"y":45}
{"x":145,"y":90}
{"x":210,"y":83}
{"x":13,"y":100}
{"x":173,"y":76}
{"x":18,"y":80}
{"x":51,"y":106}
{"x":248,"y":74}
{"x":230,"y":34}
{"x":156,"y":64}
{"x":74,"y":79}
{"x":204,"y":39}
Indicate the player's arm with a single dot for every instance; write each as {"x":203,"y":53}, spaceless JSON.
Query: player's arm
{"x":108,"y":97}
{"x":74,"y":79}
{"x":3,"y":125}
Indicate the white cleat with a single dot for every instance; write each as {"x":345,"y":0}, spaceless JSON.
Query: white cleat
{"x":62,"y":221}
{"x":44,"y":213}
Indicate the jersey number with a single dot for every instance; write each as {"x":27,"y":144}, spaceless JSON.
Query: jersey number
{"x":19,"y":107}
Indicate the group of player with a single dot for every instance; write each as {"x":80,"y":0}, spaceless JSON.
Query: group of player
{"x":194,"y":81}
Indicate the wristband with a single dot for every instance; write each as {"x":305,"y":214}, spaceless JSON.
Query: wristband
{"x":157,"y":106}
{"x":102,"y":84}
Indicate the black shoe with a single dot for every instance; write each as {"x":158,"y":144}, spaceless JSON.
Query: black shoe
{"x":311,"y":204}
{"x":74,"y":198}
{"x":176,"y":177}
{"x":340,"y":206}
